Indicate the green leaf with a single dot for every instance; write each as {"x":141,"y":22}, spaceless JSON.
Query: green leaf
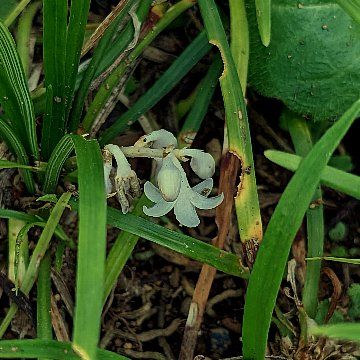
{"x":79,"y":11}
{"x":91,"y":247}
{"x":336,"y":179}
{"x":54,"y":45}
{"x":95,"y":61}
{"x":344,"y":331}
{"x":266,"y":276}
{"x":183,"y":244}
{"x":6,"y":164}
{"x":331,"y":258}
{"x":16,"y":146}
{"x":263,"y":14}
{"x":32,"y":349}
{"x":352,"y":7}
{"x":15,"y":96}
{"x":178,"y":69}
{"x":312,"y":68}
{"x":246,"y":199}
{"x":6,"y":8}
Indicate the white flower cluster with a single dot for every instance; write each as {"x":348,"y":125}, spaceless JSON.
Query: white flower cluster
{"x":173,"y":191}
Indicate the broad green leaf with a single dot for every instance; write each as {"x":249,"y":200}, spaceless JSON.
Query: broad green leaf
{"x":312,"y":63}
{"x":352,"y":7}
{"x":334,"y":178}
{"x":343,"y":331}
{"x":32,"y":349}
{"x":268,"y":270}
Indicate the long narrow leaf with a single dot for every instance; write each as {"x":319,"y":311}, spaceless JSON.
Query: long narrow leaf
{"x":91,"y":70}
{"x":181,"y":66}
{"x":263,"y":15}
{"x":334,"y":178}
{"x":344,"y":331}
{"x":266,"y":275}
{"x":16,"y":101}
{"x":54,"y":44}
{"x":37,"y":255}
{"x":246,"y":200}
{"x":79,"y":11}
{"x":15,"y":144}
{"x":32,"y":349}
{"x":91,"y":247}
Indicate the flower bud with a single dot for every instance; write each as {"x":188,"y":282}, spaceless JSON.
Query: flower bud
{"x":169,"y":179}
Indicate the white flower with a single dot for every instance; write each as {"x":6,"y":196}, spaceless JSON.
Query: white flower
{"x":186,"y":202}
{"x":127,"y":184}
{"x":157,"y":139}
{"x":202,"y":163}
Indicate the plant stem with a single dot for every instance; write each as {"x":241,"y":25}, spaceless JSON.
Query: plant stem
{"x":301,"y":138}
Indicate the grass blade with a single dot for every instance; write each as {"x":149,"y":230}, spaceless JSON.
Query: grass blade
{"x":302,"y":140}
{"x":246,"y":200}
{"x":201,"y":104}
{"x":267,"y":273}
{"x":6,"y":164}
{"x":79,"y":11}
{"x":333,"y":178}
{"x":54,"y":43}
{"x":91,"y":247}
{"x":16,"y":103}
{"x":16,"y":11}
{"x":56,"y":350}
{"x":331,"y":258}
{"x":263,"y":15}
{"x":180,"y":67}
{"x":344,"y":331}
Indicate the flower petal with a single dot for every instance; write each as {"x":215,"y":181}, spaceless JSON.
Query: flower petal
{"x":202,"y":202}
{"x":204,"y":188}
{"x":202,"y":163}
{"x":160,"y":139}
{"x":159,"y":209}
{"x":152,"y":192}
{"x":185,"y":212}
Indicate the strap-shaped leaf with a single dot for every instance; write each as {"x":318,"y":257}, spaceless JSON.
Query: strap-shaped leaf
{"x":15,"y":99}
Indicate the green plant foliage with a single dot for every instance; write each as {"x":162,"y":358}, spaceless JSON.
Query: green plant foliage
{"x":6,"y":8}
{"x":266,"y":276}
{"x":322,"y":311}
{"x":312,"y":63}
{"x":354,"y":294}
{"x":338,"y":232}
{"x":345,"y":331}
